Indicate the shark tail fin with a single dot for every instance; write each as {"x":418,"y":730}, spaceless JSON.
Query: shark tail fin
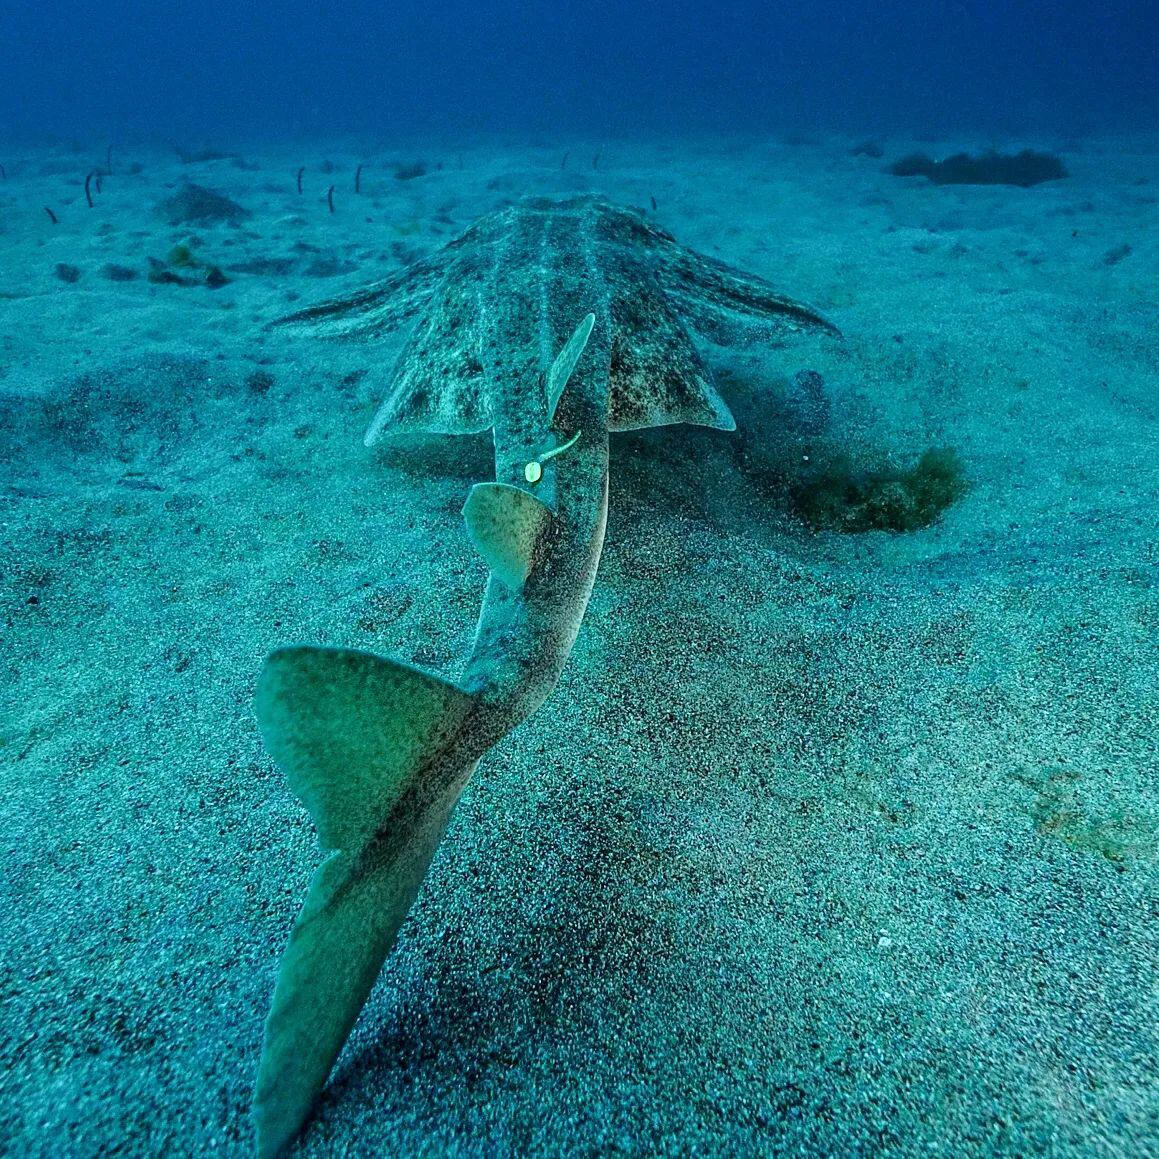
{"x":363,"y":742}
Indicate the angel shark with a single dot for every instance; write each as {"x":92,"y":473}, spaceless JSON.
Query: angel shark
{"x":550,"y":323}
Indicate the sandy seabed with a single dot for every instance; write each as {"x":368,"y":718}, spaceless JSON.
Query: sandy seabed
{"x":826,"y":844}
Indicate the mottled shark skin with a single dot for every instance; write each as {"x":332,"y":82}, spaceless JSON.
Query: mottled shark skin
{"x":550,"y":323}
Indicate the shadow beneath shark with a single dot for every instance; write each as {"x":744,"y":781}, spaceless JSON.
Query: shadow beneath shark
{"x":513,"y":991}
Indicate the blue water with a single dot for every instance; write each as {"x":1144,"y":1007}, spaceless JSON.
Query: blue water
{"x":838,"y":836}
{"x":176,"y":68}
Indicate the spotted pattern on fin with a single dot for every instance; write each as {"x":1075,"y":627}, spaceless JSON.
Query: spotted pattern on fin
{"x":657,"y":375}
{"x":648,"y":288}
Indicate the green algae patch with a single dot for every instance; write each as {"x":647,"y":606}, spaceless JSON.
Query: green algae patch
{"x":183,"y":267}
{"x":183,"y":257}
{"x":1062,"y":812}
{"x":838,"y":495}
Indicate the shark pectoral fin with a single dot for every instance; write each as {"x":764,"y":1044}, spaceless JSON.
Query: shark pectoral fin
{"x":505,"y":523}
{"x":657,"y":375}
{"x":357,"y":736}
{"x":565,"y":363}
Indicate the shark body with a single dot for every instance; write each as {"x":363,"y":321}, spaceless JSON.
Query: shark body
{"x":551,"y":323}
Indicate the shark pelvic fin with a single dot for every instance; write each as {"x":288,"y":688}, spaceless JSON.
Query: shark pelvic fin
{"x":565,"y":363}
{"x":505,"y":523}
{"x":360,"y":739}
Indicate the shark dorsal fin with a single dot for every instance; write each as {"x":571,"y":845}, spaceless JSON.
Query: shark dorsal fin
{"x":505,"y":523}
{"x":565,"y":363}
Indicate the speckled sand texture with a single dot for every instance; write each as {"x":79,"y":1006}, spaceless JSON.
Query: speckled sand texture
{"x":826,"y":844}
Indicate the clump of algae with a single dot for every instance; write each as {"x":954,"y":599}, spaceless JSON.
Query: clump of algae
{"x":838,"y":495}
